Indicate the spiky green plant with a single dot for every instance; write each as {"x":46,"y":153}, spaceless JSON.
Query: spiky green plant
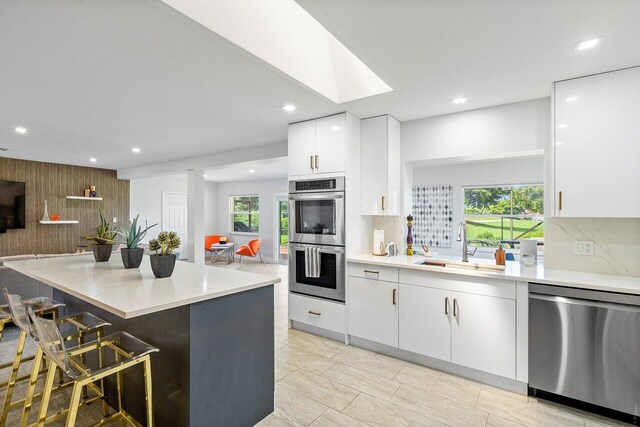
{"x":134,"y":234}
{"x":104,"y":234}
{"x":165,"y":243}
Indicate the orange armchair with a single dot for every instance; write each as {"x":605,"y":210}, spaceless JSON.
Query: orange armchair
{"x":251,"y":250}
{"x":211,"y":240}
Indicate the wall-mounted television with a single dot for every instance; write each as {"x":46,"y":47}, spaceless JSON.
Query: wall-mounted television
{"x":12,"y":205}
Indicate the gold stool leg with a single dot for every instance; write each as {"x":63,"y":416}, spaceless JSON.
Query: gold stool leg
{"x":12,"y":377}
{"x":28,"y":401}
{"x":147,"y":390}
{"x":74,"y":405}
{"x":46,"y":393}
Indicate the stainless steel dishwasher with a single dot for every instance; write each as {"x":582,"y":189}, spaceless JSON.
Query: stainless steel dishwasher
{"x":585,"y":345}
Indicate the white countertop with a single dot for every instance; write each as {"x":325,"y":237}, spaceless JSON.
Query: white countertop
{"x":134,"y":292}
{"x":514,"y":271}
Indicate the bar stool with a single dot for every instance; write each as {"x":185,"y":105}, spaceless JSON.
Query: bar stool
{"x":128,"y":351}
{"x":75,"y":326}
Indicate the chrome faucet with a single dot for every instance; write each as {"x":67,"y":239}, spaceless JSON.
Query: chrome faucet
{"x":462,"y":237}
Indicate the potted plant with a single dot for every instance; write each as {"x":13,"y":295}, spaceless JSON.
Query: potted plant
{"x":164,"y":260}
{"x":102,"y":240}
{"x":132,"y":254}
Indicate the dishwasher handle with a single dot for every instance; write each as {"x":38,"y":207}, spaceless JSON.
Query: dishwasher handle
{"x":584,"y":302}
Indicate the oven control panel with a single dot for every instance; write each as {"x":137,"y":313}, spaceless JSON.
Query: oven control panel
{"x":317,"y":185}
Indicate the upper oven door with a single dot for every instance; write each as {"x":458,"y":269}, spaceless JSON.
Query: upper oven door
{"x":317,"y":218}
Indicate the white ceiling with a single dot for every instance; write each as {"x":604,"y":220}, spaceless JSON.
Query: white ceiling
{"x":276,"y":168}
{"x":96,"y":78}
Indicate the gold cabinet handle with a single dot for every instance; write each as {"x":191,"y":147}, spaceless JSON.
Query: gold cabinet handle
{"x":446,"y":306}
{"x":315,"y":313}
{"x":455,"y":306}
{"x":312,"y":164}
{"x":394,"y":297}
{"x":382,"y":202}
{"x":560,"y":200}
{"x":317,"y":162}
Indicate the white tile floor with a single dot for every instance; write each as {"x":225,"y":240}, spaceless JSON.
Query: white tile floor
{"x":320,"y":382}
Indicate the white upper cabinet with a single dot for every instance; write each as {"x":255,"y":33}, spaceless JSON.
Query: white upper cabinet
{"x":381,"y":166}
{"x":302,"y":148}
{"x":318,"y":146}
{"x":330,"y":144}
{"x":597,"y":145}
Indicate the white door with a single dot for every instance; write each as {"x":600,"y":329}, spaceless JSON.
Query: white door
{"x":374,"y":165}
{"x":425,"y":321}
{"x":373,"y":310}
{"x":483,"y":335}
{"x":597,"y":149}
{"x":174,"y":217}
{"x":331,"y":144}
{"x":302,"y":148}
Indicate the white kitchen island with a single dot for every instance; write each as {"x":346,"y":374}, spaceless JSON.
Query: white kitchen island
{"x":213,"y":326}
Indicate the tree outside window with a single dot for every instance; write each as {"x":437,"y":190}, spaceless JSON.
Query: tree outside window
{"x":245,"y":216}
{"x":504,"y":215}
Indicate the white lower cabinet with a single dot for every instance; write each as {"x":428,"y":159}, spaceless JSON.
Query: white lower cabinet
{"x":468,"y":322}
{"x":373,"y":310}
{"x":483,"y":333}
{"x":317,"y":312}
{"x":425,"y":321}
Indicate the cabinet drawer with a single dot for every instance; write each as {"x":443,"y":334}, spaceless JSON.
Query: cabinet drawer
{"x":479,"y":286}
{"x":374,"y":272}
{"x":317,"y":312}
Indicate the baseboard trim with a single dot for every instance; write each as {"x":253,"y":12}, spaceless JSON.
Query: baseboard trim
{"x":336,"y":336}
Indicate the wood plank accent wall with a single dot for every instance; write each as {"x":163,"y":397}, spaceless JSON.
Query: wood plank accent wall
{"x":53,"y":182}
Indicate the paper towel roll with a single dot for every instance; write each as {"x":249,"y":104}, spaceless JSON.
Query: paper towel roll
{"x":529,"y":247}
{"x":378,"y":242}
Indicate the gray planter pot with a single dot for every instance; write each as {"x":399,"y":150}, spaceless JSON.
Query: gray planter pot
{"x":162,"y":265}
{"x":102,"y":253}
{"x":131,"y":258}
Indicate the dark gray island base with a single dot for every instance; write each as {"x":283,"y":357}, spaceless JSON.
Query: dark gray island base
{"x":216,"y":361}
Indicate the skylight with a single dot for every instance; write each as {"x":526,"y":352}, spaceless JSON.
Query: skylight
{"x":284,"y":35}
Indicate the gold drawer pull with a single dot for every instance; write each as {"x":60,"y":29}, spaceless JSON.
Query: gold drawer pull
{"x":315,"y":313}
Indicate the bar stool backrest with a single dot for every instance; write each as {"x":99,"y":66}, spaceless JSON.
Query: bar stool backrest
{"x":18,"y":311}
{"x":51,"y":342}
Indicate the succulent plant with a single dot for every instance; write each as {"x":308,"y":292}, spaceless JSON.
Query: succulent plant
{"x":165,"y":243}
{"x":105,"y":234}
{"x":134,"y":234}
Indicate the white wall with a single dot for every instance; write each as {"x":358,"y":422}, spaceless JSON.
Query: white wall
{"x":481,"y":134}
{"x":146,"y":198}
{"x":265,"y":189}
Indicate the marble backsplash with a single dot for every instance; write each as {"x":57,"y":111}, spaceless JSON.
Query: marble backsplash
{"x":616,"y":245}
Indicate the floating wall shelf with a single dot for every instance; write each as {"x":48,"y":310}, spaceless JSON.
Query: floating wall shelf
{"x":83,"y":198}
{"x":61,"y":221}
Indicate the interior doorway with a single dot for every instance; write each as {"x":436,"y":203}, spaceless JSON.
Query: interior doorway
{"x":174,"y":217}
{"x":281,"y":249}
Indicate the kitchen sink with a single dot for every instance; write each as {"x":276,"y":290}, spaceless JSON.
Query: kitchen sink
{"x":462,"y":265}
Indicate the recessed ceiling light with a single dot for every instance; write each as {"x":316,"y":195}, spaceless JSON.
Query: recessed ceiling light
{"x":20,"y":129}
{"x":135,"y":149}
{"x":289,"y":107}
{"x":571,"y":99}
{"x":562,"y":126}
{"x":588,"y":44}
{"x":204,"y":176}
{"x":335,"y":128}
{"x":460,"y":100}
{"x":251,"y":171}
{"x":93,"y":160}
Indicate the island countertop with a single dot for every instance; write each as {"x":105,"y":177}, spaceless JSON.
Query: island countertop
{"x":135,"y":292}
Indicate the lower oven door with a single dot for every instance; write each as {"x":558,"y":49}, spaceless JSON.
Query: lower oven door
{"x":330,"y":284}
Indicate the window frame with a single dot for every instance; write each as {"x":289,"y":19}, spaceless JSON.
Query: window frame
{"x":491,"y":249}
{"x":232,"y":212}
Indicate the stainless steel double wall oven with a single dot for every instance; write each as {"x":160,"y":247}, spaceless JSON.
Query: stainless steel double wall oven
{"x":317,"y":220}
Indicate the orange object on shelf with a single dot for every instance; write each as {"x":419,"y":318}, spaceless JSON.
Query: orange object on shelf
{"x":55,"y":217}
